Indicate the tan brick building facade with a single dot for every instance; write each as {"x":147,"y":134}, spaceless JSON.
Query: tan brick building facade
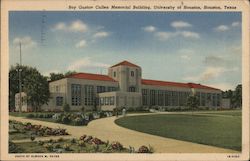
{"x":124,"y":87}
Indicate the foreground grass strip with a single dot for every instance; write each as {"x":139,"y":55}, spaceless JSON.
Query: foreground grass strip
{"x":212,"y":130}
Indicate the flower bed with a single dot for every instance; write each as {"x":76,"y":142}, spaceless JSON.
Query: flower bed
{"x":27,"y":130}
{"x":85,"y":144}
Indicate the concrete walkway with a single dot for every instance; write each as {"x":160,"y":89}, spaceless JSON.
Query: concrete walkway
{"x":106,"y":129}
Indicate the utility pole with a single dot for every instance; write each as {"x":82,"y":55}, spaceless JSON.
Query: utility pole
{"x":20,"y":82}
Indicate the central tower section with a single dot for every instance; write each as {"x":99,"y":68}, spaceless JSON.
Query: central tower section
{"x":128,"y":75}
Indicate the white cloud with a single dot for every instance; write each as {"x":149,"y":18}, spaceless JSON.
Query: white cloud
{"x":101,"y":34}
{"x":167,"y":35}
{"x":26,"y":42}
{"x":47,"y":73}
{"x":81,"y":44}
{"x":164,"y":35}
{"x":235,"y":24}
{"x":180,"y":24}
{"x":86,"y":63}
{"x":210,"y":73}
{"x":185,"y":57}
{"x":221,"y":28}
{"x":149,"y":28}
{"x":189,"y":34}
{"x":74,"y":26}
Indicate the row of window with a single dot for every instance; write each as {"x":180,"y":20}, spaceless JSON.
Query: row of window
{"x":175,"y":98}
{"x":107,"y":100}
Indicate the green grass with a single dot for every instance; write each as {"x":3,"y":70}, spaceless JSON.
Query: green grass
{"x":212,"y":130}
{"x":228,"y":113}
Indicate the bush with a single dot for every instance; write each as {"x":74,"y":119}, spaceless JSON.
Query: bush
{"x":65,"y":120}
{"x":66,"y":108}
{"x":66,"y":147}
{"x":48,"y":146}
{"x":78,"y":121}
{"x":116,"y":146}
{"x":41,"y":116}
{"x":30,"y":115}
{"x":91,"y":117}
{"x":144,"y":149}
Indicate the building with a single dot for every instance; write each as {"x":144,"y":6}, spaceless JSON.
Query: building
{"x":124,"y":87}
{"x":23,"y":105}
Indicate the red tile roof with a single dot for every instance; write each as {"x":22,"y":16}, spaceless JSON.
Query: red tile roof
{"x":176,"y":84}
{"x":90,"y":76}
{"x":126,"y":63}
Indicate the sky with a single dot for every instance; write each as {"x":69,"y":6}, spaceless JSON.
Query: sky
{"x":199,"y":47}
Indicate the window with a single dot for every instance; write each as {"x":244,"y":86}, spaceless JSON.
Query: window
{"x":214,"y":99}
{"x":102,"y":100}
{"x":112,"y":100}
{"x":132,"y":73}
{"x":160,"y":97}
{"x":144,"y":96}
{"x":114,"y":74}
{"x":89,"y":94}
{"x":110,"y":89}
{"x":218,"y":99}
{"x":152,"y":97}
{"x":100,"y":89}
{"x":131,"y":89}
{"x":106,"y":100}
{"x":203,"y":99}
{"x":59,"y":101}
{"x":75,"y":94}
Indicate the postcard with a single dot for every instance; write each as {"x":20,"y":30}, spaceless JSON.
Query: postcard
{"x":124,"y":80}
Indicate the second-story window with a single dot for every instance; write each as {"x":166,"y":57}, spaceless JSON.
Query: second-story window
{"x":114,"y":74}
{"x":132,"y":73}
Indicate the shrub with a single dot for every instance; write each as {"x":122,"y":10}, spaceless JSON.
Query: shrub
{"x":91,"y":117}
{"x":83,"y":137}
{"x":116,"y":146}
{"x":97,"y":141}
{"x":78,"y":121}
{"x":143,"y":149}
{"x":65,"y":120}
{"x":66,"y":147}
{"x":48,"y":146}
{"x":73,"y":140}
{"x":81,"y":143}
{"x":57,"y":146}
{"x":41,"y":116}
{"x":40,"y":142}
{"x":32,"y":138}
{"x":30,"y":115}
{"x":88,"y":139}
{"x":66,"y":108}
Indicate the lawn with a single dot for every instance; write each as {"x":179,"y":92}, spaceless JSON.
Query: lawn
{"x":212,"y":130}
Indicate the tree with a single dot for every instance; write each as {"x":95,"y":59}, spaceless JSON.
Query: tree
{"x":57,"y":76}
{"x":192,"y":102}
{"x":235,"y":96}
{"x":66,"y":108}
{"x":33,"y":84}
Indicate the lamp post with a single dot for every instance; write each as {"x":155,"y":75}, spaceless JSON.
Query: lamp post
{"x":20,"y":82}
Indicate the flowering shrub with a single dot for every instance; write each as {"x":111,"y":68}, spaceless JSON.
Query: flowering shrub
{"x":73,"y":140}
{"x":116,"y":146}
{"x":83,"y":137}
{"x":88,"y":139}
{"x":145,"y":149}
{"x":97,"y":141}
{"x":78,"y":121}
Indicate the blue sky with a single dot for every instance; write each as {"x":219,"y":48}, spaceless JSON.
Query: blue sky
{"x":195,"y":47}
